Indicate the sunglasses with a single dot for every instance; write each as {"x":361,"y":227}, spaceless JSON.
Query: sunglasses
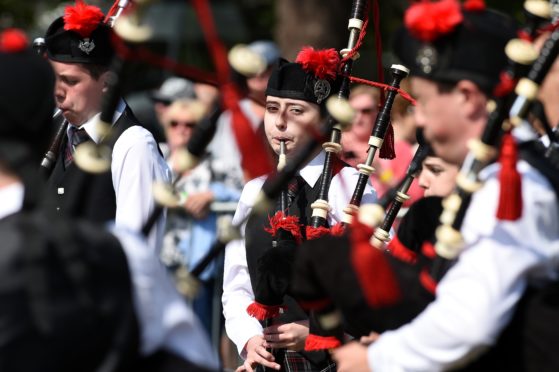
{"x":365,"y":111}
{"x":187,"y":124}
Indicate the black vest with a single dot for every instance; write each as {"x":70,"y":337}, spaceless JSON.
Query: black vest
{"x":99,"y":203}
{"x":258,"y":240}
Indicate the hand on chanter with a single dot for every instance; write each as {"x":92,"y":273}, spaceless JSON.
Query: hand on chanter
{"x":351,"y":357}
{"x":289,"y":336}
{"x":257,"y":354}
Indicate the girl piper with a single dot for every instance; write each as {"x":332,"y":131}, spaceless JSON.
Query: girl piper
{"x":295,"y":108}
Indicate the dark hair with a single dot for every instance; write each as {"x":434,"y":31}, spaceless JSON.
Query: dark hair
{"x":95,"y":70}
{"x":444,"y":87}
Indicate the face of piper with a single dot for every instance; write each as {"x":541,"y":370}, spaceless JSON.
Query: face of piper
{"x":449,"y":117}
{"x":289,"y":120}
{"x":437,"y":177}
{"x":78,"y":94}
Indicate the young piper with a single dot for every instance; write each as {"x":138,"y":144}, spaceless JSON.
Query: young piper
{"x":294,"y":108}
{"x":453,"y":74}
{"x":75,"y":296}
{"x":79,"y":49}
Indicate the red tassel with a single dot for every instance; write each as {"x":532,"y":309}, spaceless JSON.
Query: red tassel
{"x":263,"y":312}
{"x":510,"y":196}
{"x":316,"y":232}
{"x":288,"y":223}
{"x":505,"y":86}
{"x":254,"y":157}
{"x":401,"y":252}
{"x":387,"y":148}
{"x":338,"y":229}
{"x":316,"y":342}
{"x":428,"y":250}
{"x":374,"y":273}
{"x":13,"y":40}
{"x":82,"y":18}
{"x":427,"y":282}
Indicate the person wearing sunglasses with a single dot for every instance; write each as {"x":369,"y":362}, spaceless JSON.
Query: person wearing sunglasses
{"x":191,"y":229}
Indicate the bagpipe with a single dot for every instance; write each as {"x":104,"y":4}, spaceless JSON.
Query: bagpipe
{"x":367,"y":289}
{"x":325,"y":332}
{"x":514,"y":97}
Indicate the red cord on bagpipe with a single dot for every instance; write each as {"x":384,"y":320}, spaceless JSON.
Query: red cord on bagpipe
{"x":255,"y":160}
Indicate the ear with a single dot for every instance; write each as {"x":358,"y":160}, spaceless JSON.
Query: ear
{"x":104,"y":79}
{"x":473,"y":101}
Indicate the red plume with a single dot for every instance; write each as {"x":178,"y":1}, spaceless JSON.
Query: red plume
{"x":82,"y":18}
{"x":12,"y":40}
{"x":321,"y":63}
{"x":427,"y":21}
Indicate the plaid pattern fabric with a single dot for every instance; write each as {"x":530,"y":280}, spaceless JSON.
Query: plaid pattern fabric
{"x":292,"y":361}
{"x":295,"y":362}
{"x":293,"y":188}
{"x":75,"y":137}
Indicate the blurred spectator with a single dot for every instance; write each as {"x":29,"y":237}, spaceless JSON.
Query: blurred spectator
{"x":224,"y":147}
{"x":191,"y":230}
{"x":172,"y":89}
{"x":365,"y":101}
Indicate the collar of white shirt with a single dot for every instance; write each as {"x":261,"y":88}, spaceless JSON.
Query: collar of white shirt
{"x":312,"y":171}
{"x":90,"y":126}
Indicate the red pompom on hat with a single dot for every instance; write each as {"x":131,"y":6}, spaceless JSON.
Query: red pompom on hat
{"x":80,"y":36}
{"x":442,"y":42}
{"x":13,"y":40}
{"x":427,"y":20}
{"x":321,"y":63}
{"x":82,"y":18}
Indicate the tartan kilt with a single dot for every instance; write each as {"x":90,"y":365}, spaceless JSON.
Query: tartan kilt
{"x":292,"y":361}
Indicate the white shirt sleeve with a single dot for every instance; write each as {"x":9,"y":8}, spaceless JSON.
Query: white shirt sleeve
{"x":341,"y":190}
{"x":136,"y":165}
{"x":165,"y":320}
{"x":237,"y":288}
{"x":476,"y":298}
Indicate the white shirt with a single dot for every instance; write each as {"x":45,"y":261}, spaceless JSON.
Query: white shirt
{"x":11,"y":198}
{"x":237,"y":289}
{"x":165,"y":320}
{"x":476,"y":298}
{"x":136,"y":164}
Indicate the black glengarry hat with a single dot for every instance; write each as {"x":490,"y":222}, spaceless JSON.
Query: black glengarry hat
{"x":446,"y":42}
{"x":80,"y":36}
{"x":312,"y":77}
